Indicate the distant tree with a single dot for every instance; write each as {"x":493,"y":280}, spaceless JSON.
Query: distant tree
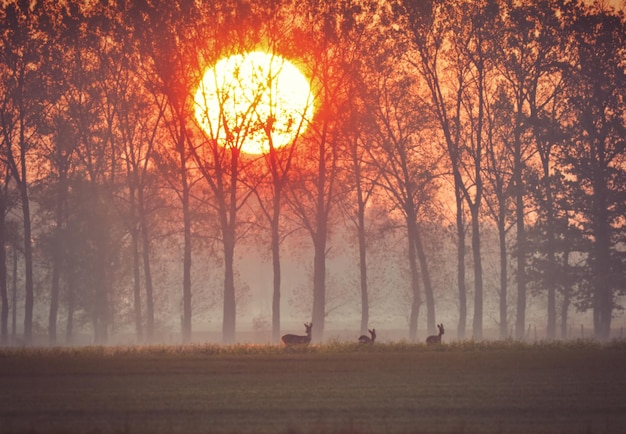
{"x":140,"y":111}
{"x":358,"y":187}
{"x":7,"y":203}
{"x":95,"y":63}
{"x":359,"y":190}
{"x":532,"y":66}
{"x":327,"y":37}
{"x":406,"y":167}
{"x":596,"y":155}
{"x":270,"y":195}
{"x":454,"y":55}
{"x":498,"y":189}
{"x":478,"y":22}
{"x":25,"y":89}
{"x":220,"y":156}
{"x":427,"y":27}
{"x":55,"y":197}
{"x":168,"y":69}
{"x":139,"y":127}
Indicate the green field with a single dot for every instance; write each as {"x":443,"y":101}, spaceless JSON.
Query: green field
{"x":336,"y":388}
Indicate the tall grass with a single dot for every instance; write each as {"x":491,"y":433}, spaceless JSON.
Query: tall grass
{"x":330,"y":347}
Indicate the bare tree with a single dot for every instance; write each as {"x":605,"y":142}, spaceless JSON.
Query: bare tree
{"x":407,"y":168}
{"x":278,"y":162}
{"x":23,"y":100}
{"x":5,"y":206}
{"x":329,"y":48}
{"x":229,"y":121}
{"x":452,"y":55}
{"x":596,"y":153}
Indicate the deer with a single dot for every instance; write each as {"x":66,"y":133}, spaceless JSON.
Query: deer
{"x":289,"y":339}
{"x":366,"y":339}
{"x":435,"y":339}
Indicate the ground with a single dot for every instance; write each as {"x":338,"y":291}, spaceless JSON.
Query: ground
{"x":394,"y":388}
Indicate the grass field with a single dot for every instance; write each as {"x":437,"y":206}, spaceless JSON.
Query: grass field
{"x":335,"y":388}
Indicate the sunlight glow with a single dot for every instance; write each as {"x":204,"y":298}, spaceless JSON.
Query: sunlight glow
{"x":245,"y":100}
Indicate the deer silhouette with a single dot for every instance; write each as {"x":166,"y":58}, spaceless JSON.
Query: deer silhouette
{"x":366,"y":339}
{"x":435,"y":339}
{"x":297,"y":339}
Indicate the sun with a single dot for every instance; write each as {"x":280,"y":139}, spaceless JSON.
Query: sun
{"x":253,"y":101}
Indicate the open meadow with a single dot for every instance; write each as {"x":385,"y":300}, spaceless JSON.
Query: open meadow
{"x":500,"y":387}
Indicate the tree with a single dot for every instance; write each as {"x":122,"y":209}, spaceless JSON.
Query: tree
{"x":167,"y":69}
{"x":499,"y":186}
{"x":407,"y":167}
{"x":327,"y":36}
{"x":23,"y":51}
{"x":363,"y":179}
{"x":478,"y":49}
{"x":278,"y":162}
{"x":92,"y":109}
{"x":453,"y":55}
{"x":6,"y":204}
{"x":220,"y":157}
{"x":596,"y":156}
{"x":531,"y":64}
{"x":139,"y":115}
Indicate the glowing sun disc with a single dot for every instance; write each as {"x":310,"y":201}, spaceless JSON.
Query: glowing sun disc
{"x":243,"y":99}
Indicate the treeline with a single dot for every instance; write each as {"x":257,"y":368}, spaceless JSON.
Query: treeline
{"x":447,"y":117}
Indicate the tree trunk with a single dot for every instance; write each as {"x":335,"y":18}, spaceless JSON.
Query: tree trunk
{"x":28,"y":264}
{"x":363,"y":275}
{"x":187,"y":311}
{"x":544,"y":149}
{"x":134,"y":236}
{"x":567,"y":293}
{"x":69,"y":328}
{"x":56,"y":269}
{"x":100,"y":260}
{"x":520,"y":321}
{"x":415,"y":285}
{"x":319,"y":284}
{"x":319,"y":243}
{"x":136,"y":282}
{"x":551,"y":271}
{"x":478,"y":275}
{"x":4,"y":293}
{"x":428,"y":287}
{"x":145,"y":249}
{"x":54,"y":293}
{"x":230,"y":309}
{"x":460,"y":233}
{"x":276,"y":282}
{"x":503,"y":276}
{"x":60,"y":217}
{"x":601,"y":259}
{"x":365,"y":309}
{"x":14,"y":298}
{"x":278,"y":179}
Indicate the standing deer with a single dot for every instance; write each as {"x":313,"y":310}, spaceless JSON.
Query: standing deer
{"x":435,"y":339}
{"x":366,"y":339}
{"x":296,"y":339}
